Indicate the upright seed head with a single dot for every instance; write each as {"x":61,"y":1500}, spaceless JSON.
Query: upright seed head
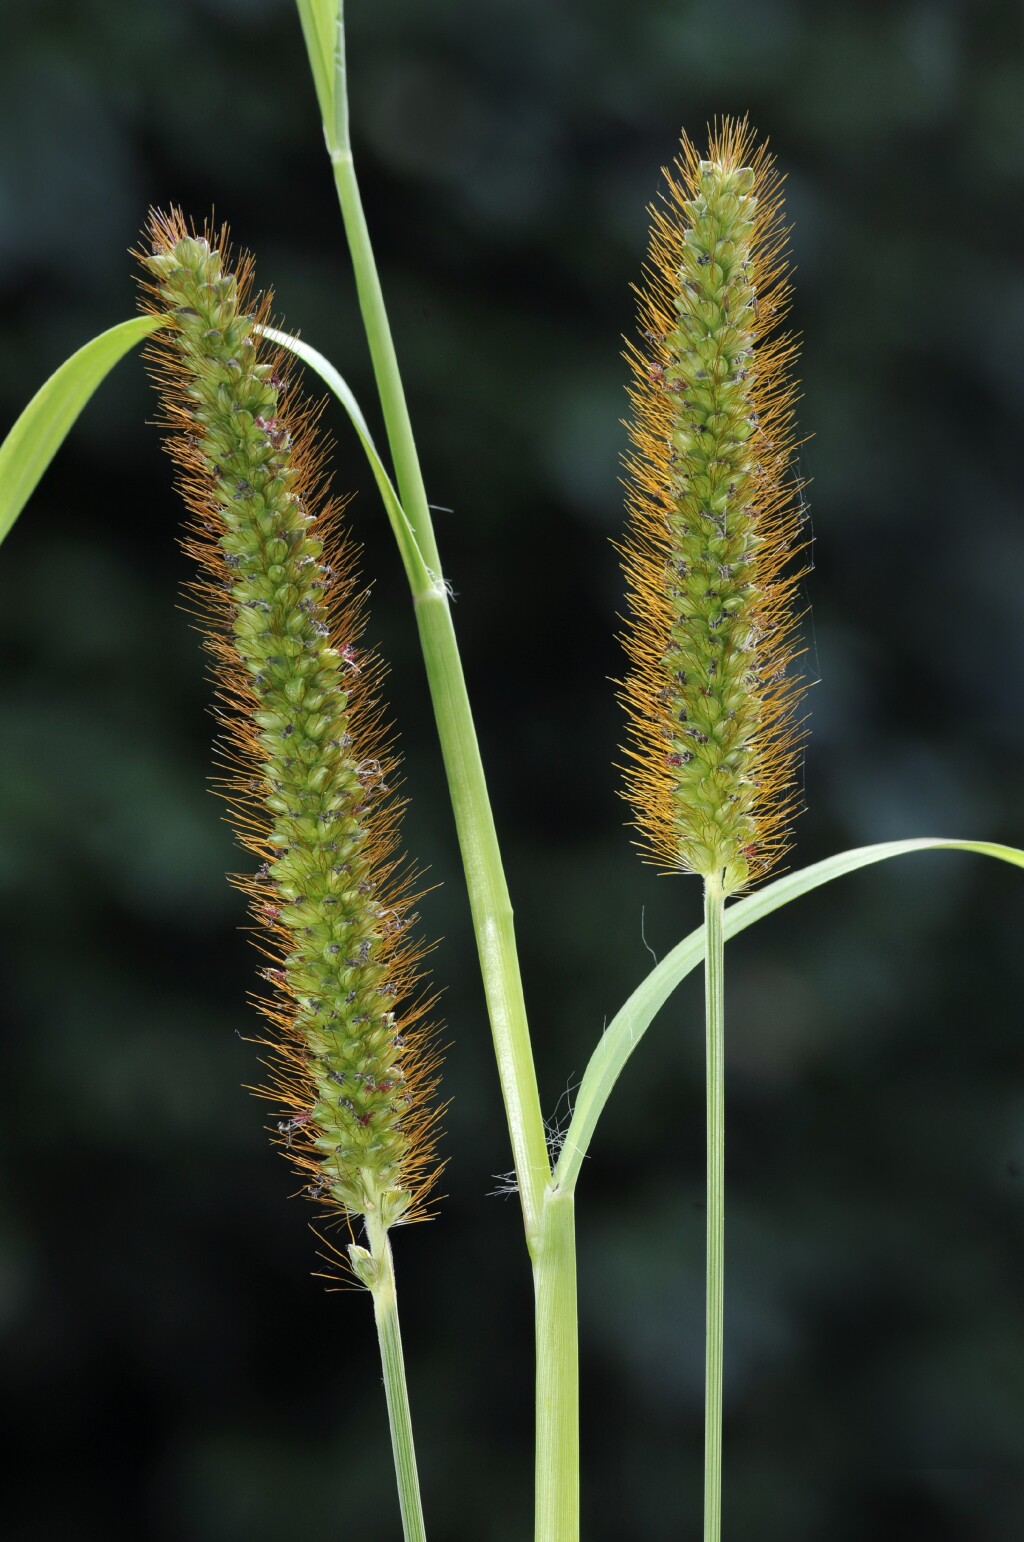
{"x":715,"y":520}
{"x":308,"y":762}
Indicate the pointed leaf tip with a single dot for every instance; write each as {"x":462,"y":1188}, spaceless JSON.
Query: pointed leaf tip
{"x":41,"y":429}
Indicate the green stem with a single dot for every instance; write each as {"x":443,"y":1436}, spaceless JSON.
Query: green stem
{"x":714,"y":1000}
{"x":375,"y":318}
{"x":548,"y":1215}
{"x":557,"y":1463}
{"x":485,"y":879}
{"x":490,"y":906}
{"x":389,"y":1334}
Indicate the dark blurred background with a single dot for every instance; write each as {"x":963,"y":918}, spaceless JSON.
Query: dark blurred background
{"x":168,"y":1366}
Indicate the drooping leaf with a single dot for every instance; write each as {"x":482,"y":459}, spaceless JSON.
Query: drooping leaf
{"x":410,"y":552}
{"x":45,"y":423}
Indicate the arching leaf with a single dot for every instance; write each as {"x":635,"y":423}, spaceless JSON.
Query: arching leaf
{"x":44,"y":425}
{"x":630,"y":1024}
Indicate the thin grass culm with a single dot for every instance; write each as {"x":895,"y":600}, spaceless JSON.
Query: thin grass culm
{"x":715,"y":520}
{"x":308,"y":764}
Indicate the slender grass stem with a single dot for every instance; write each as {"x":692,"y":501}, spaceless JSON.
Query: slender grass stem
{"x":714,"y":1000}
{"x":557,"y":1468}
{"x":375,"y":318}
{"x":389,"y":1334}
{"x":488,"y":892}
{"x":548,"y":1216}
{"x":490,"y":905}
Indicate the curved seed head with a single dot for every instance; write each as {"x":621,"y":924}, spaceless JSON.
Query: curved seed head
{"x":307,"y":763}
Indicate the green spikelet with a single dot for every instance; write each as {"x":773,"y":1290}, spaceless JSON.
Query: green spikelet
{"x":714,"y":523}
{"x":351,"y":1064}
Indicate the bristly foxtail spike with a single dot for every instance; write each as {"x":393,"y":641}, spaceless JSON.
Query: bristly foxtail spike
{"x":714,"y":523}
{"x":309,"y":766}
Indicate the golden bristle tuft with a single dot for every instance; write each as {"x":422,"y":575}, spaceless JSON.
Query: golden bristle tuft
{"x":715,"y":520}
{"x":307,"y":764}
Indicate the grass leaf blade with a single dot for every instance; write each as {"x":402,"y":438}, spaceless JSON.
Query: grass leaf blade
{"x":416,"y":569}
{"x":41,"y":429}
{"x":319,"y":20}
{"x":629,"y":1025}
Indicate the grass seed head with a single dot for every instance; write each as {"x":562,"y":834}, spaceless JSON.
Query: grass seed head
{"x":714,"y":523}
{"x":308,"y":769}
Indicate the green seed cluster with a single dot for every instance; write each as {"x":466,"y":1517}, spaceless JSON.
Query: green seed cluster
{"x":709,"y":698}
{"x":349,"y":1070}
{"x":710,"y":641}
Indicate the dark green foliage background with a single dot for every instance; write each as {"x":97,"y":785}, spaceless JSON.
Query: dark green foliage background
{"x":168,"y":1368}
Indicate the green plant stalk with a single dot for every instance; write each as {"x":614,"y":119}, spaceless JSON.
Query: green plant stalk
{"x":389,"y":1334}
{"x":548,"y":1217}
{"x":714,"y":1004}
{"x":557,"y":1434}
{"x":491,"y":909}
{"x":488,"y":893}
{"x":549,"y":1225}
